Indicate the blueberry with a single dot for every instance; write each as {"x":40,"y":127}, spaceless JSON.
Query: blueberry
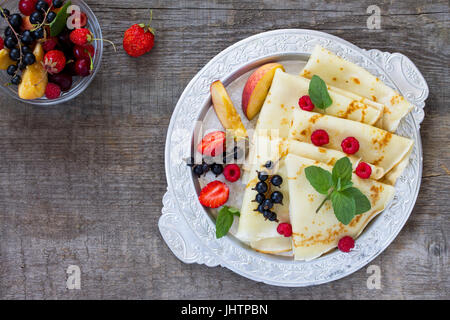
{"x":276,"y":180}
{"x":15,"y":20}
{"x":263,"y":176}
{"x":268,"y":164}
{"x":261,"y":187}
{"x":267,"y":204}
{"x":260,"y":197}
{"x":38,"y":33}
{"x":14,"y":54}
{"x":16,"y":80}
{"x":198,"y":170}
{"x":277,"y":197}
{"x":11,"y":42}
{"x":57,"y":3}
{"x":36,"y":17}
{"x":51,"y":16}
{"x":27,"y":37}
{"x":11,"y":69}
{"x":5,"y":13}
{"x":217,"y":169}
{"x":29,"y":59}
{"x":41,"y":5}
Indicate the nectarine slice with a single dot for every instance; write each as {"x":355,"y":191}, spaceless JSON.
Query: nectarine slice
{"x":257,"y":87}
{"x":225,"y":110}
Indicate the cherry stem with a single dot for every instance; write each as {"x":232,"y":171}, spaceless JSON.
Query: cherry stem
{"x":112,"y":43}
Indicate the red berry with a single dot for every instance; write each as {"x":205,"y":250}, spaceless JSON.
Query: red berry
{"x":285,"y":229}
{"x":306,"y":104}
{"x":214,"y":194}
{"x":54,"y":61}
{"x":350,"y":145}
{"x":81,"y":36}
{"x":27,"y":7}
{"x":83,"y":52}
{"x":63,"y":80}
{"x":83,"y":67}
{"x":346,"y":244}
{"x":232,"y":172}
{"x":52,"y":91}
{"x":50,"y":44}
{"x":320,"y":137}
{"x":2,"y":43}
{"x":213,"y":143}
{"x":363,"y":170}
{"x":138,"y":40}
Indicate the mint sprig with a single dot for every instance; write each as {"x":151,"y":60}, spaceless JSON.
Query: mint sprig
{"x":347,"y":200}
{"x":318,"y":92}
{"x":225,"y":220}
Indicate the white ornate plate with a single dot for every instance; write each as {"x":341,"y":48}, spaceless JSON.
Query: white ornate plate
{"x":189,"y":229}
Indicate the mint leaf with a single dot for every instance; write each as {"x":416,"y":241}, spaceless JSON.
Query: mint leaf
{"x":225,"y":220}
{"x":342,"y":169}
{"x":344,"y":206}
{"x":318,"y":92}
{"x":319,"y":178}
{"x":362,"y":203}
{"x":60,"y":21}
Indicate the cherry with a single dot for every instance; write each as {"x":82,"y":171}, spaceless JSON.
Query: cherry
{"x":83,"y":52}
{"x":64,"y":80}
{"x":27,"y":7}
{"x":83,"y":67}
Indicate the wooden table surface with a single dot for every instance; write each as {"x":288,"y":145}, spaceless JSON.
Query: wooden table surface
{"x":82,"y":183}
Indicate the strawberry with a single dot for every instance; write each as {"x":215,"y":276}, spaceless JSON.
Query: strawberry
{"x":139,"y":39}
{"x":81,"y":36}
{"x":214,"y":194}
{"x":54,"y":61}
{"x":212,"y":144}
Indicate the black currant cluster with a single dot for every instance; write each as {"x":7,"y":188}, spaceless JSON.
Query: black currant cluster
{"x":265,"y":199}
{"x":202,"y":169}
{"x":20,"y":42}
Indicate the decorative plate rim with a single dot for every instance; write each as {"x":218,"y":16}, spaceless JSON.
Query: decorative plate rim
{"x":186,"y":226}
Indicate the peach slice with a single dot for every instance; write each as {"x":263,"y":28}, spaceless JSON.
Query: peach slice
{"x":34,"y":78}
{"x":257,"y":87}
{"x":225,"y":110}
{"x":5,"y":60}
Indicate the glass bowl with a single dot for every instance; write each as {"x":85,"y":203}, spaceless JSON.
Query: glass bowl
{"x":79,"y":83}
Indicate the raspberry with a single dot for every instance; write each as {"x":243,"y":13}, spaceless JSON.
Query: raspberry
{"x":350,"y":145}
{"x":320,"y":137}
{"x":50,"y":44}
{"x":232,"y":172}
{"x":363,"y":170}
{"x":2,"y":44}
{"x":52,"y":91}
{"x":285,"y":229}
{"x":346,"y":244}
{"x":306,"y":104}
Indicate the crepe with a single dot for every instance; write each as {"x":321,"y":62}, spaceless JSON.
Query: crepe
{"x":317,"y":233}
{"x":273,"y":245}
{"x":377,"y":147}
{"x":350,"y":77}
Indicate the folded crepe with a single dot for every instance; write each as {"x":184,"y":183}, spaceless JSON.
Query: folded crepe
{"x":317,"y":233}
{"x":377,"y":147}
{"x":350,"y":77}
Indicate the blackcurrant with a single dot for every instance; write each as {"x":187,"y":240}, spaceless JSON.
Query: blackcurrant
{"x":11,"y":69}
{"x":205,"y":167}
{"x":190,"y":162}
{"x":261,"y":187}
{"x":268,"y":164}
{"x":5,"y":13}
{"x":217,"y":169}
{"x":15,"y":20}
{"x":276,"y":180}
{"x":269,"y":215}
{"x":263,"y":176}
{"x":8,"y":32}
{"x":29,"y":58}
{"x":277,"y":197}
{"x":14,"y":54}
{"x":198,"y":170}
{"x":10,"y":42}
{"x":260,"y":208}
{"x":51,"y":16}
{"x":237,"y":153}
{"x":21,"y":65}
{"x":36,"y":17}
{"x":267,"y":204}
{"x":26,"y":49}
{"x":260,"y":197}
{"x":27,"y":37}
{"x":16,"y":80}
{"x":38,"y":33}
{"x":57,"y":3}
{"x":41,"y":5}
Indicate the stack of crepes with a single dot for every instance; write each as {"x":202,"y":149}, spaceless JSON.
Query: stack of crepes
{"x":363,"y":107}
